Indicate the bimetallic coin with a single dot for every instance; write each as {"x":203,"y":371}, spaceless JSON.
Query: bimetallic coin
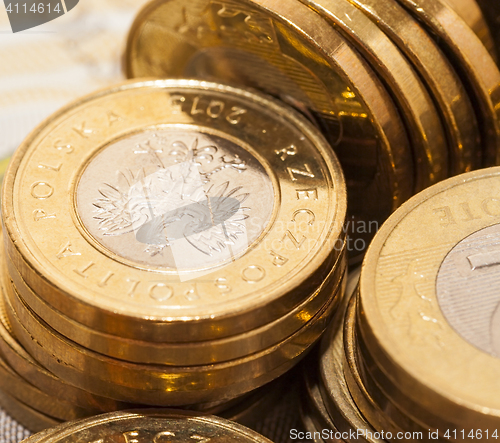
{"x":428,"y":299}
{"x":150,"y":425}
{"x":287,"y":50}
{"x":174,"y":211}
{"x":472,"y":61}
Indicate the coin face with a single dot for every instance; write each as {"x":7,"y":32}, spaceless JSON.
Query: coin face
{"x":176,"y":199}
{"x":159,"y":205}
{"x":150,"y":425}
{"x":467,"y":292}
{"x":428,"y":300}
{"x":289,"y":51}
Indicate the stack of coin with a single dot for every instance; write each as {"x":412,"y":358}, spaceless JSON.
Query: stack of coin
{"x":169,"y":242}
{"x":419,"y":357}
{"x":319,"y":424}
{"x":141,"y":426}
{"x":404,"y":90}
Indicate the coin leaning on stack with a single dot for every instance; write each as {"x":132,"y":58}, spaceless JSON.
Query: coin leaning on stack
{"x":404,"y":90}
{"x":417,"y":359}
{"x":170,"y":243}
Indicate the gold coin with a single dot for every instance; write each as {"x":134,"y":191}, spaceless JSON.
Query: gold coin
{"x":431,"y":63}
{"x":88,"y":227}
{"x":184,"y":354}
{"x":428,"y":299}
{"x":472,"y":61}
{"x":32,"y":420}
{"x":418,"y":109}
{"x":310,"y":428}
{"x":375,"y":415}
{"x":314,"y":414}
{"x":154,"y":384}
{"x":470,"y":12}
{"x":288,"y":51}
{"x":150,"y":425}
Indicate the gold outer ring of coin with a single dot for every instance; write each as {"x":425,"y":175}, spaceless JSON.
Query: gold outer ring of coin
{"x":472,"y":61}
{"x":150,"y":423}
{"x":452,"y":101}
{"x":184,"y":354}
{"x":391,"y":261}
{"x":418,"y":109}
{"x":159,"y":385}
{"x":242,"y":295}
{"x":470,"y":12}
{"x":28,"y":417}
{"x":302,"y":51}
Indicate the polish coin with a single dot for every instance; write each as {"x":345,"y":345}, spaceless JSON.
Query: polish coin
{"x":174,"y":211}
{"x":428,"y":298}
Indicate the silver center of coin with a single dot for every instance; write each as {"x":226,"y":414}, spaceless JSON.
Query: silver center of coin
{"x":175,"y":198}
{"x":468,"y":289}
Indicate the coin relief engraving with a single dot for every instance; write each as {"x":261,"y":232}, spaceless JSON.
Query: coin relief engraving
{"x":175,"y":199}
{"x":467,"y":289}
